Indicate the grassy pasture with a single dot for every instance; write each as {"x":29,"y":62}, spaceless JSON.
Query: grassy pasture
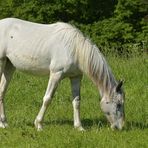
{"x":24,"y":98}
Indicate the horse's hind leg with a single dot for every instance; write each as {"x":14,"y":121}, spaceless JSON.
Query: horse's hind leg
{"x":52,"y":85}
{"x":75,"y":86}
{"x":6,"y":75}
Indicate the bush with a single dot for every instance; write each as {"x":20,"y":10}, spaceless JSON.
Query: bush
{"x":115,"y":26}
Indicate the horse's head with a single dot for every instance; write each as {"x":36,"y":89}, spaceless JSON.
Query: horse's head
{"x":113,"y":107}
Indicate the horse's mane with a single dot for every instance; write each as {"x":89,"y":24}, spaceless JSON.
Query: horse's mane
{"x":93,"y":63}
{"x":89,"y":59}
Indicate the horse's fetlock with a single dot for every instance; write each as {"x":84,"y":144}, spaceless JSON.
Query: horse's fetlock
{"x":38,"y":124}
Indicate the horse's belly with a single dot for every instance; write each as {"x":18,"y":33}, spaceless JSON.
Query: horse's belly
{"x":30,"y":64}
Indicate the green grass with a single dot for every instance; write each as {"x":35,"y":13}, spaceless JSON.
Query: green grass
{"x":24,"y":98}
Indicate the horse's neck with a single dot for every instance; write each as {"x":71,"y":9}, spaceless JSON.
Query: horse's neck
{"x":102,"y":76}
{"x":93,"y":63}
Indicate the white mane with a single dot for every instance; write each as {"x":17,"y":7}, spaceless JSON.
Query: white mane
{"x":89,"y":59}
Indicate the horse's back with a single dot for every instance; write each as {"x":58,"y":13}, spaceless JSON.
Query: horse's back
{"x":36,"y":47}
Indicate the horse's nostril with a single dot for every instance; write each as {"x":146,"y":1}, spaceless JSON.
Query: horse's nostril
{"x":115,"y":127}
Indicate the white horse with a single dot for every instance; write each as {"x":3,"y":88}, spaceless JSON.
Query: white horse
{"x":59,"y":50}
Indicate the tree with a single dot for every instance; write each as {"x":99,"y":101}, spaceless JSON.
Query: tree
{"x":118,"y":24}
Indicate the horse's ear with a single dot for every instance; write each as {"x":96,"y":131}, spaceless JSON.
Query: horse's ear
{"x":119,"y":85}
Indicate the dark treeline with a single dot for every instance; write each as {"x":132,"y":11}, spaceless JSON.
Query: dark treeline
{"x":119,"y":26}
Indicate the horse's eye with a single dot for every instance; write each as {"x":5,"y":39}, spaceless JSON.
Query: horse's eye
{"x":118,"y":106}
{"x":107,"y":113}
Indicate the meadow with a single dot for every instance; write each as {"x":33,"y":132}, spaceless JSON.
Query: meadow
{"x":24,"y":98}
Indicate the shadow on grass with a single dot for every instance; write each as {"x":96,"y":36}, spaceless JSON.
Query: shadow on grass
{"x":100,"y":123}
{"x":87,"y":123}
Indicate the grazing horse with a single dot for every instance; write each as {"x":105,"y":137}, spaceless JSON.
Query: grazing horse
{"x":58,"y":50}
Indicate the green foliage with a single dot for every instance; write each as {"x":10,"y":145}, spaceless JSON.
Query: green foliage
{"x":115,"y":26}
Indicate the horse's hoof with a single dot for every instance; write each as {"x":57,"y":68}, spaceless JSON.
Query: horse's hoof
{"x":80,"y":128}
{"x":39,"y":129}
{"x":38,"y":125}
{"x":3,"y":124}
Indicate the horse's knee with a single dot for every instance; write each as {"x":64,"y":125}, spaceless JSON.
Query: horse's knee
{"x":76,"y":102}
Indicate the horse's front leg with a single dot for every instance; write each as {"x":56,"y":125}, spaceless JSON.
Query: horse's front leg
{"x":75,"y":86}
{"x":5,"y":79}
{"x":52,"y":85}
{"x":3,"y":84}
